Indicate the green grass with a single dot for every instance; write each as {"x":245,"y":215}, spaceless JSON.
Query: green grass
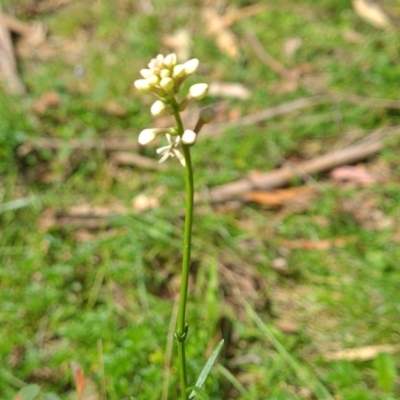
{"x":63,"y":296}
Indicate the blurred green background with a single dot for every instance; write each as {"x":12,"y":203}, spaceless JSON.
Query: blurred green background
{"x":90,"y":246}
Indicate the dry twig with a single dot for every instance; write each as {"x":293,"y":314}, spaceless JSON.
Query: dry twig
{"x":8,"y":63}
{"x":271,"y":180}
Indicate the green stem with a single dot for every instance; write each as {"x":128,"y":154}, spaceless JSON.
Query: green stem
{"x":181,"y":326}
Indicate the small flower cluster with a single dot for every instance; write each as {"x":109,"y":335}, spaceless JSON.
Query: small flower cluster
{"x":163,"y":78}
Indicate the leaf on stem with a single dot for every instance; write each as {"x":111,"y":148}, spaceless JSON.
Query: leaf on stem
{"x":205,"y":371}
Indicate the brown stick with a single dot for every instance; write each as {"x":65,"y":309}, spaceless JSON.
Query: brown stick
{"x":268,"y":113}
{"x":15,"y":25}
{"x":136,"y":160}
{"x":112,"y":144}
{"x":282,"y":176}
{"x":299,"y":104}
{"x":8,"y":64}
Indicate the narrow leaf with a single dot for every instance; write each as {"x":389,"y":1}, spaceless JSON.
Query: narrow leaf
{"x":29,"y":392}
{"x":207,"y":368}
{"x":199,"y":392}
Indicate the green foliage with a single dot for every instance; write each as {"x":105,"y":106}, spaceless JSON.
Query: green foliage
{"x":386,"y":371}
{"x":67,"y":286}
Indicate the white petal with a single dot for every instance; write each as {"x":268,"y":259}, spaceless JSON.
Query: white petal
{"x":180,"y":157}
{"x":164,"y":157}
{"x":162,"y":150}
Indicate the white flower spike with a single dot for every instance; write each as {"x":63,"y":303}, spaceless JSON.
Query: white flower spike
{"x":163,"y":77}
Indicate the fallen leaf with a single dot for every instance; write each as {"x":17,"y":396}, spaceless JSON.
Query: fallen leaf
{"x":355,"y":174}
{"x":323,"y":244}
{"x":179,"y":42}
{"x":79,"y":378}
{"x":366,"y":353}
{"x":280,"y":197}
{"x":114,"y":109}
{"x":224,"y":37}
{"x":229,"y":90}
{"x":48,"y":100}
{"x":372,"y":13}
{"x":143,"y":202}
{"x":291,"y":45}
{"x":286,"y":326}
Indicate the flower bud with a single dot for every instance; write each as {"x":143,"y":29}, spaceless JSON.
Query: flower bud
{"x":191,"y":66}
{"x":207,"y":115}
{"x":165,"y":73}
{"x":167,"y":84}
{"x":147,"y":136}
{"x":153,"y":80}
{"x":142,"y":85}
{"x":198,"y":91}
{"x":146,"y":72}
{"x":170,"y":60}
{"x":189,"y":137}
{"x":178,"y":71}
{"x":158,"y":108}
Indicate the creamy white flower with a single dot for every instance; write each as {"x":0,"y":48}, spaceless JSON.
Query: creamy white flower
{"x":170,"y":60}
{"x":165,"y":73}
{"x":171,"y":150}
{"x":153,"y":80}
{"x":178,"y":71}
{"x":157,"y":63}
{"x":198,"y":91}
{"x":142,"y":85}
{"x":158,"y":108}
{"x":146,"y":72}
{"x":148,"y":135}
{"x":191,"y":66}
{"x":167,"y":84}
{"x":189,"y":137}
